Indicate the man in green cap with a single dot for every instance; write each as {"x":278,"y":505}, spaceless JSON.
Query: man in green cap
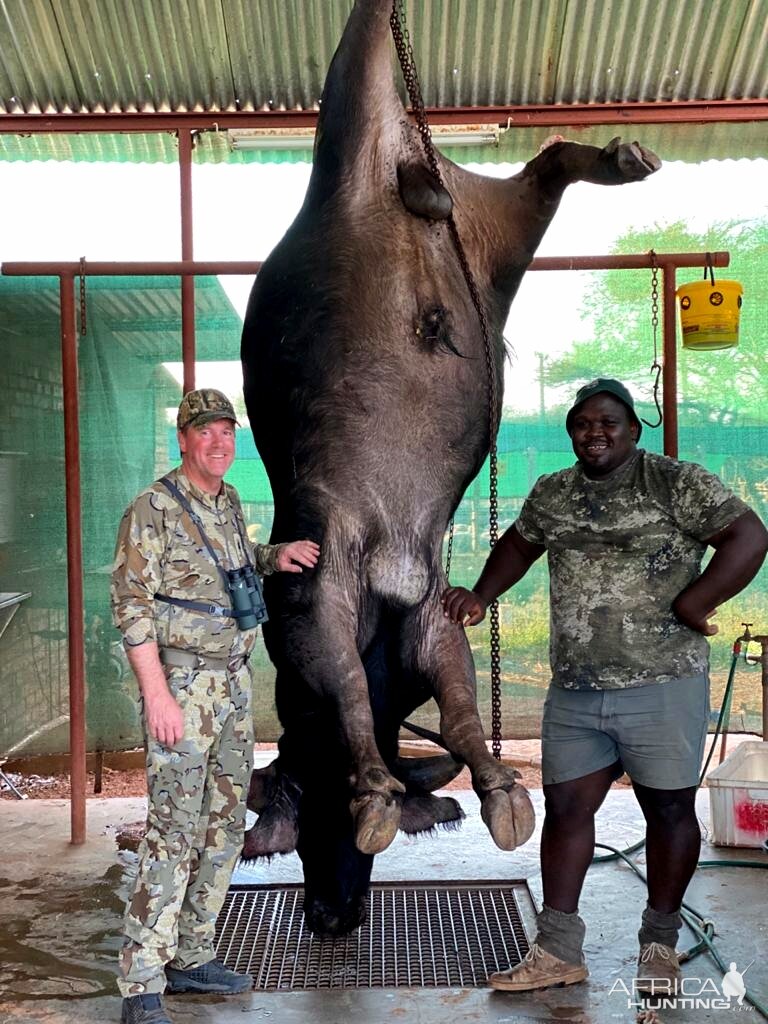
{"x":624,"y":531}
{"x":188,"y":617}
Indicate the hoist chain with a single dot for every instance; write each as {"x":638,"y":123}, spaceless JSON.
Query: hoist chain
{"x":81,"y":279}
{"x":410,"y":75}
{"x":656,"y":365}
{"x":449,"y":550}
{"x":655,"y":303}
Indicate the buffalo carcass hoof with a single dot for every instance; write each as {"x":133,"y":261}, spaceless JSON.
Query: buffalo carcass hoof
{"x":275,"y":831}
{"x":322,"y":919}
{"x":275,"y":798}
{"x":634,"y":161}
{"x":509,"y":817}
{"x":376,"y":820}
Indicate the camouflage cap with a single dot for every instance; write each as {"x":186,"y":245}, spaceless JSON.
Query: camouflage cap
{"x":204,"y":406}
{"x":599,"y":386}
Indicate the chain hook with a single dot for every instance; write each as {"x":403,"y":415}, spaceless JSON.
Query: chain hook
{"x":655,"y":365}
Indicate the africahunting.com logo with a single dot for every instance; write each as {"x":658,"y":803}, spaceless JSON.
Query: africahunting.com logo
{"x":686,"y":993}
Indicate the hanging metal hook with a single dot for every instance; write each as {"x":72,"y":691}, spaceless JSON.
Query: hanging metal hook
{"x":655,"y":365}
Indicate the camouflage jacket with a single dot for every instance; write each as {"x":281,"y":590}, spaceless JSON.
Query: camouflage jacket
{"x":620,"y":550}
{"x":160,"y":551}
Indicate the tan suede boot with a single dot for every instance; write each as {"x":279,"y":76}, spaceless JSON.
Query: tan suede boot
{"x":539,"y":969}
{"x":658,"y":970}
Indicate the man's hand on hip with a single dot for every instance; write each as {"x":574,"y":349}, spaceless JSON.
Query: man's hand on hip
{"x":695,"y":618}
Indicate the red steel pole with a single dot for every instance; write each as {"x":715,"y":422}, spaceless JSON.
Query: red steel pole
{"x":143,"y":267}
{"x":669,"y":372}
{"x":187,"y":281}
{"x":634,"y":261}
{"x":75,"y":616}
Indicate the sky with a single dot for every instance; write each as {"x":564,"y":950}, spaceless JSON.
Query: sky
{"x":130,"y":212}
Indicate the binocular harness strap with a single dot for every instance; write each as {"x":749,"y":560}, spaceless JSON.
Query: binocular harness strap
{"x":200,"y":606}
{"x":171,"y":486}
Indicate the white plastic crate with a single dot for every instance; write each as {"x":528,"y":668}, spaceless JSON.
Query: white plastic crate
{"x":738,"y":796}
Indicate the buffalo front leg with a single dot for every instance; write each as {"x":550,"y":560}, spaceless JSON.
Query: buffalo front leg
{"x":325,"y":654}
{"x":438,"y":649}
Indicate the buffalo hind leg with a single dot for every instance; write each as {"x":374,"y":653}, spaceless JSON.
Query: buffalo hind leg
{"x":442,"y":654}
{"x":335,"y":673}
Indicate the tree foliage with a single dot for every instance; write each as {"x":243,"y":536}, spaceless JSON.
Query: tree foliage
{"x":729,"y":386}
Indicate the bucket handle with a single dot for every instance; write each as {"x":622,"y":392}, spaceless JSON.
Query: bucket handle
{"x":708,"y":268}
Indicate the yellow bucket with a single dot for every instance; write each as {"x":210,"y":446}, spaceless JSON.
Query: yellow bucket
{"x":709,"y":314}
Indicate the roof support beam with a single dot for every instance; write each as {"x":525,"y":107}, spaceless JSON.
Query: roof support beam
{"x":555,"y":115}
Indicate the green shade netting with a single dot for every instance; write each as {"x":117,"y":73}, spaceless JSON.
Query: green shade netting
{"x":127,"y":440}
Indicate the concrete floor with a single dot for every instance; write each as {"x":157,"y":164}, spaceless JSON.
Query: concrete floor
{"x":61,"y":906}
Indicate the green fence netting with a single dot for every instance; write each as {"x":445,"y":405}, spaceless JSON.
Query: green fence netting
{"x":129,"y":359}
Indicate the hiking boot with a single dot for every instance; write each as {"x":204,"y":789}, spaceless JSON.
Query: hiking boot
{"x":539,"y":969}
{"x":210,"y":977}
{"x":144,"y":1009}
{"x":658,"y":969}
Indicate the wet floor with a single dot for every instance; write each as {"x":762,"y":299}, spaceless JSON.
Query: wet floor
{"x":61,"y":907}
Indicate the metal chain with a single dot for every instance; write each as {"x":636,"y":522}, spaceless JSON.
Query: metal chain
{"x":81,"y":278}
{"x":656,"y":365}
{"x":449,"y":552}
{"x":410,"y":75}
{"x":655,"y":303}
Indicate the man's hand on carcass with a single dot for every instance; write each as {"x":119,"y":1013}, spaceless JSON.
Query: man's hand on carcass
{"x":291,"y":557}
{"x":463,"y":606}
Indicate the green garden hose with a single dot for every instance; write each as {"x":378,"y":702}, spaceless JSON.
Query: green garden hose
{"x":699,"y":925}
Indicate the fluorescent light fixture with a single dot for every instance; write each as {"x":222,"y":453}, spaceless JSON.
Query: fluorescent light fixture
{"x":466,"y":135}
{"x":271,"y":138}
{"x":304,"y":138}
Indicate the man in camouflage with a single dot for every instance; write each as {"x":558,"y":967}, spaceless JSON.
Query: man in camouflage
{"x":170,"y":601}
{"x":624,"y":531}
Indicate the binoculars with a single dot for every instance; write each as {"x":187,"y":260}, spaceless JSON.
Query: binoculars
{"x":246,"y":596}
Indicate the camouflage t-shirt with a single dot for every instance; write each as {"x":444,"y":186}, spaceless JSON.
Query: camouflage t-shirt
{"x":620,"y":550}
{"x":160,"y":551}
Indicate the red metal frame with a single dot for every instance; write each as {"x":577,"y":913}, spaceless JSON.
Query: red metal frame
{"x":75,"y":603}
{"x":66,"y":272}
{"x":576,"y":115}
{"x":187,"y":252}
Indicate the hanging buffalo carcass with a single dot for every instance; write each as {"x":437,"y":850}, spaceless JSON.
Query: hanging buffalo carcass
{"x":366,"y":384}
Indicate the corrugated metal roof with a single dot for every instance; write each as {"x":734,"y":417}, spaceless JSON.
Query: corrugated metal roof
{"x":84,"y":56}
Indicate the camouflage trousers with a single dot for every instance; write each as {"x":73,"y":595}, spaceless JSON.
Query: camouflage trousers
{"x":195,"y":824}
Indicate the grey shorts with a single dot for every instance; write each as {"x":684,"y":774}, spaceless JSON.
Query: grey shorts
{"x":657,"y":732}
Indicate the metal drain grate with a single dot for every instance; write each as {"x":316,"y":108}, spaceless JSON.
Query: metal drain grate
{"x":425,"y":934}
